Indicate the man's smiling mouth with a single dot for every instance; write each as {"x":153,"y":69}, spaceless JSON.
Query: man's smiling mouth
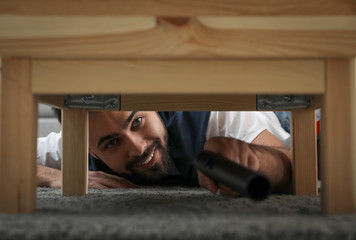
{"x":149,"y":161}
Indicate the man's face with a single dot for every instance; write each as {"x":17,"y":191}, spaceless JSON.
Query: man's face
{"x":132,"y":144}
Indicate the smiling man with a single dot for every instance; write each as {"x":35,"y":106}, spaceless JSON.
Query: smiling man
{"x":131,"y":144}
{"x":127,"y":149}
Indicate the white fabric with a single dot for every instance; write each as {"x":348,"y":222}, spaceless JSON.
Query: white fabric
{"x":245,"y":126}
{"x":49,"y":150}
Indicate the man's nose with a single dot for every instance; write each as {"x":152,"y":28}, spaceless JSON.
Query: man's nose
{"x":136,"y":145}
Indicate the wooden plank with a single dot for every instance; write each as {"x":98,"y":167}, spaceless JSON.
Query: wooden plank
{"x":305,"y":165}
{"x":353,"y":125}
{"x":54,"y":27}
{"x":317,"y":101}
{"x":74,"y":151}
{"x":32,"y":27}
{"x":184,"y":102}
{"x":281,"y":23}
{"x":337,"y":150}
{"x":51,"y":100}
{"x":198,"y":37}
{"x":178,"y":77}
{"x":179,"y":8}
{"x":18,"y":132}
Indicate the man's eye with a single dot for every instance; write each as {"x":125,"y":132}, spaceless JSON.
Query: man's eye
{"x":111,"y":143}
{"x":137,"y":122}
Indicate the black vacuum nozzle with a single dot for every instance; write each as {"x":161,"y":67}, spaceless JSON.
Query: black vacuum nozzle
{"x":242,"y":179}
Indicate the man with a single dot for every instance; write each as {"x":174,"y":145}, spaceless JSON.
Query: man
{"x":129,"y":148}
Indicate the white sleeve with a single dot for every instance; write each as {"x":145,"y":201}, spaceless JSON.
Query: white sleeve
{"x":49,"y":150}
{"x":245,"y":126}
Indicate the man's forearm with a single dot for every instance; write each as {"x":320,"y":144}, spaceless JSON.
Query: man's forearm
{"x":51,"y":177}
{"x":48,"y":177}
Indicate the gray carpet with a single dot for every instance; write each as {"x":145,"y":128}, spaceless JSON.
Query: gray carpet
{"x":174,"y":213}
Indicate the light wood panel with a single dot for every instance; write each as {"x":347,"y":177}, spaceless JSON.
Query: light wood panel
{"x":195,"y":37}
{"x":304,"y":142}
{"x":184,"y":102}
{"x":353,"y":125}
{"x":317,"y":101}
{"x":178,"y":77}
{"x":281,"y":23}
{"x":179,"y":7}
{"x":75,"y":126}
{"x":18,"y":132}
{"x":32,"y":27}
{"x":51,"y":100}
{"x":13,"y":26}
{"x":337,"y":138}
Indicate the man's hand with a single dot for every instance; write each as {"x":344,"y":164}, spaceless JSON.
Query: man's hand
{"x":105,"y":180}
{"x":233,"y":149}
{"x":266,"y":154}
{"x":50,"y":177}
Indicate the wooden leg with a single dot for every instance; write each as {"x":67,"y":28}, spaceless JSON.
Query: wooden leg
{"x":304,"y":142}
{"x":338,"y":143}
{"x":18,"y":133}
{"x":74,"y":152}
{"x":353,"y":126}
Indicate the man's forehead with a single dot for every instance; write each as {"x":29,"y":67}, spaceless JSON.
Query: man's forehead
{"x":107,"y":123}
{"x":97,"y":115}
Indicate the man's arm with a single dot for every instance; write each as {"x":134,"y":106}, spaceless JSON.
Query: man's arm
{"x":266,"y":154}
{"x":49,"y":164}
{"x":50,"y":177}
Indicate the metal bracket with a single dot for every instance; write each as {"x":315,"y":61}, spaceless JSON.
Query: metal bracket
{"x":283,"y":102}
{"x":108,"y":102}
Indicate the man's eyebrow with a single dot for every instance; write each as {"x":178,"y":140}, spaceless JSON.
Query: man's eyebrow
{"x":114,"y":135}
{"x":107,"y":137}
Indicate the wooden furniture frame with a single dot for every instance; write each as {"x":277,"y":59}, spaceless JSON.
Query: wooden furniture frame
{"x":178,"y":55}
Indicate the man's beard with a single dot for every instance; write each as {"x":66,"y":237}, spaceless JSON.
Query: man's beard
{"x":158,"y":171}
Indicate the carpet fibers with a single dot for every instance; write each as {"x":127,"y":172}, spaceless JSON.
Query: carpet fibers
{"x":174,"y":213}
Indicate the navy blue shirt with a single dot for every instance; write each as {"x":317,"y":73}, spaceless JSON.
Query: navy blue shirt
{"x":186,"y":138}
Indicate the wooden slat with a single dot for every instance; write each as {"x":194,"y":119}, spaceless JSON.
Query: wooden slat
{"x":353,"y":125}
{"x":18,"y":132}
{"x":74,"y":152}
{"x":148,"y":37}
{"x":52,"y":100}
{"x":32,"y":27}
{"x":17,"y":27}
{"x":185,"y":102}
{"x":281,"y":23}
{"x":317,"y":101}
{"x":305,"y":167}
{"x":337,"y":172}
{"x":179,"y":8}
{"x":178,"y":77}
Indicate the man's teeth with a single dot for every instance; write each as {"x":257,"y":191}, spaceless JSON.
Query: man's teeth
{"x":148,"y":159}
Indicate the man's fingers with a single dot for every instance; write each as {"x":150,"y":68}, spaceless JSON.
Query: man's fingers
{"x":253,"y":162}
{"x":121,"y":182}
{"x":226,"y":191}
{"x":206,"y":182}
{"x":92,"y":184}
{"x":216,"y":189}
{"x":104,"y":180}
{"x":237,"y":151}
